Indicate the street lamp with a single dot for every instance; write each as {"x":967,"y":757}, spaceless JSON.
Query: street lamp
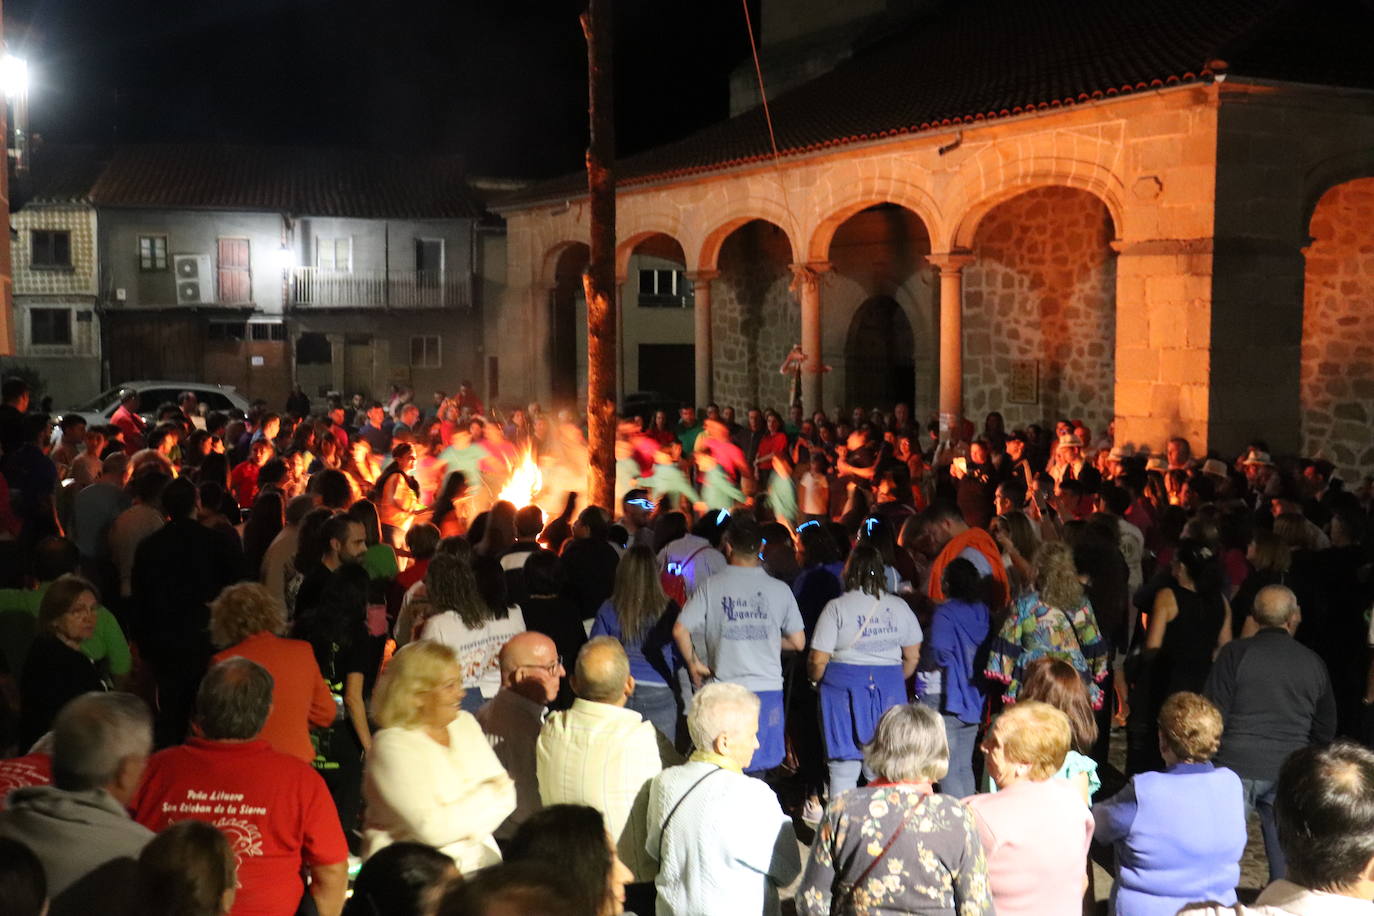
{"x":14,"y":77}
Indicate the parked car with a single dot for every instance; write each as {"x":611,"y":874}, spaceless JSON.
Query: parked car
{"x":156,"y":392}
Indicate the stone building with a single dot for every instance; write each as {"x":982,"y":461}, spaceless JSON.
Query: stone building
{"x":260,"y":267}
{"x":1157,"y":212}
{"x":57,"y":330}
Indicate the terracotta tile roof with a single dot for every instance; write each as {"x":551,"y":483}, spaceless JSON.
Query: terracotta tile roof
{"x":978,"y":60}
{"x":59,"y":174}
{"x":303,"y":182}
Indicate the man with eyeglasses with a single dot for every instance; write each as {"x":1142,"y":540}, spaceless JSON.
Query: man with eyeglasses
{"x":511,"y":720}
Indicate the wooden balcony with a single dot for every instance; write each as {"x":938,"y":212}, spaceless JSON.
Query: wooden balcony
{"x":317,"y":287}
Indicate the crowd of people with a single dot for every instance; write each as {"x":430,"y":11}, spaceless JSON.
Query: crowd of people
{"x":358,"y":660}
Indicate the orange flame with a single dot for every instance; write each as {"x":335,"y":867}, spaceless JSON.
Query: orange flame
{"x":526,"y":480}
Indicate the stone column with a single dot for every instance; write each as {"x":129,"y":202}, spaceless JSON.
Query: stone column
{"x":951,"y":266}
{"x":807,"y":283}
{"x":701,"y":333}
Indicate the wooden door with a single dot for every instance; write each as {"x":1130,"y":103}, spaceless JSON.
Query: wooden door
{"x":235,"y":275}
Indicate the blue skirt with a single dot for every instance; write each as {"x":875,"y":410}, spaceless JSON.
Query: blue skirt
{"x":772,"y":743}
{"x":853,"y":699}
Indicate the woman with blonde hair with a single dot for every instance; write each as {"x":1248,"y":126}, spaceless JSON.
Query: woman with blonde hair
{"x":1055,"y":619}
{"x":1054,"y":681}
{"x":431,"y":775}
{"x":246,"y":621}
{"x":1179,"y":834}
{"x":641,"y":616}
{"x":1036,"y":828}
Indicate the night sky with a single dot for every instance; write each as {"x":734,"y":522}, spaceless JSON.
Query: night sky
{"x":502,"y":82}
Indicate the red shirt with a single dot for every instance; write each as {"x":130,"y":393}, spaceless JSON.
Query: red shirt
{"x":133,"y":427}
{"x":21,"y":772}
{"x":412,"y":574}
{"x":274,"y":809}
{"x":770,"y":445}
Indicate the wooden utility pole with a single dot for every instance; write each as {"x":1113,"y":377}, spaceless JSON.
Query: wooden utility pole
{"x":599,"y":278}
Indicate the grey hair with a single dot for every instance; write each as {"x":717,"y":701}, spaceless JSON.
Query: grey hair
{"x":721,"y":708}
{"x":1274,"y":606}
{"x":909,"y":745}
{"x":233,"y":700}
{"x":96,"y":732}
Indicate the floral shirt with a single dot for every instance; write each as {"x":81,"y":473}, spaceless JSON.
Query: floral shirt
{"x":1035,"y":630}
{"x":936,"y":865}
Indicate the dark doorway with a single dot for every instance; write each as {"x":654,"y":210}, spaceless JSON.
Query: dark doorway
{"x":879,"y":356}
{"x":563,"y":300}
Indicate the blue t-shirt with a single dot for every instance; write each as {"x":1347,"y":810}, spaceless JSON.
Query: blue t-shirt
{"x":653,"y":657}
{"x":888,"y":625}
{"x":738,"y":616}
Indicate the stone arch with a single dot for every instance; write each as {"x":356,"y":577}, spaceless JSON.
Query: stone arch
{"x":880,"y":350}
{"x":553,"y":254}
{"x":565,"y":345}
{"x":833,"y":211}
{"x":879,"y":251}
{"x":1001,"y":171}
{"x":635,"y":228}
{"x":1337,"y":354}
{"x":755,"y":318}
{"x":745,"y":211}
{"x":1325,"y":176}
{"x":1040,"y":298}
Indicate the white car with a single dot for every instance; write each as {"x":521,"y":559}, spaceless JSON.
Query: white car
{"x":153,"y":393}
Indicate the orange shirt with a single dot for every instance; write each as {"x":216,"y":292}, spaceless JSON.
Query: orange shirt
{"x":981,"y":541}
{"x":300,"y":697}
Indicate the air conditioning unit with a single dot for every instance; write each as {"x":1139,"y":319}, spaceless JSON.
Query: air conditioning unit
{"x":194,"y":278}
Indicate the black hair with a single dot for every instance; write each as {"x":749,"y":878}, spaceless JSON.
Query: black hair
{"x":53,"y":557}
{"x":744,"y":537}
{"x":669,"y":527}
{"x":519,"y":887}
{"x":491,"y":585}
{"x":543,"y":573}
{"x":333,"y":488}
{"x":399,"y":880}
{"x":14,"y":387}
{"x":179,"y":498}
{"x":336,"y":529}
{"x":865,"y":571}
{"x":1117,"y":500}
{"x":817,"y":546}
{"x":23,"y":883}
{"x":962,"y":581}
{"x":1325,"y":810}
{"x":574,"y":836}
{"x":311,"y":544}
{"x":529,"y":521}
{"x":272,"y":473}
{"x":593,"y":518}
{"x":1200,"y":560}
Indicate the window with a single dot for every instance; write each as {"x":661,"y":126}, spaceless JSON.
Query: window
{"x":226,"y":330}
{"x":267,"y":330}
{"x":313,"y":349}
{"x":50,"y":327}
{"x":334,"y":254}
{"x":664,"y":289}
{"x":51,"y":249}
{"x":152,"y":252}
{"x":425,"y":352}
{"x":429,"y":262}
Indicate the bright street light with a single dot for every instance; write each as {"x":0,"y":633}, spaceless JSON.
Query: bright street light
{"x":14,"y":76}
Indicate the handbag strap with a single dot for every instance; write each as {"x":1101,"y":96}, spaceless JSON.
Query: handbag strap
{"x":663,"y":831}
{"x":864,"y":621}
{"x":901,"y":828}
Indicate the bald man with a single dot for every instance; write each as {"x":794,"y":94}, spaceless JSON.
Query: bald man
{"x":601,"y":754}
{"x":511,"y":720}
{"x":1275,"y":698}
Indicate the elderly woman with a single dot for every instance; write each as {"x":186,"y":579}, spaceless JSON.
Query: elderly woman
{"x":1036,"y":828}
{"x":55,"y":669}
{"x":1178,"y":834}
{"x":431,"y":775}
{"x":894,"y":846}
{"x":722,"y":842}
{"x":245,"y":619}
{"x":866,"y":644}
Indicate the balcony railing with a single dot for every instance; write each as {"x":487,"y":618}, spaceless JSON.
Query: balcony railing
{"x":318,"y":287}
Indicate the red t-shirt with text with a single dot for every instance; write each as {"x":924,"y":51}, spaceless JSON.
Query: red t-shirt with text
{"x":274,"y":809}
{"x":22,"y":772}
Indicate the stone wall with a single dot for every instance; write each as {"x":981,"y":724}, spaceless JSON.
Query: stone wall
{"x":1043,"y":288}
{"x":1337,"y":387}
{"x":755,"y":318}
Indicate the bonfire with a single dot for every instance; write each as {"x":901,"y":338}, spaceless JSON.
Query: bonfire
{"x":525,"y":482}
